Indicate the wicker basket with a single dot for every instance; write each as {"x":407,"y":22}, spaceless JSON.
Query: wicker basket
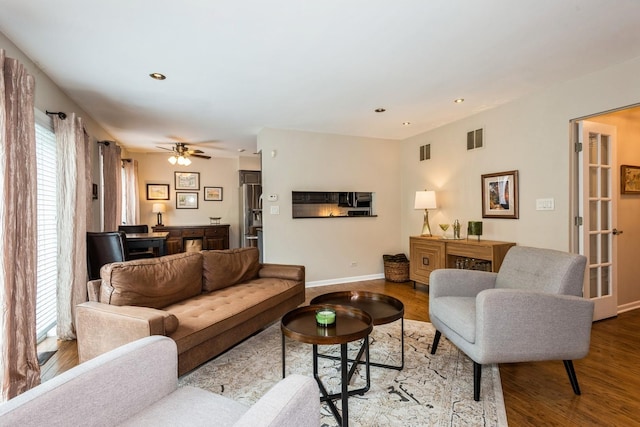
{"x":396,"y":268}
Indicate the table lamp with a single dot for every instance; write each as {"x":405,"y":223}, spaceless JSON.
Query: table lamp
{"x":425,"y":200}
{"x":159,"y":208}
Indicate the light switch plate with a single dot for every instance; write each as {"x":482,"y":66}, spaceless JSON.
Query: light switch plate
{"x":275,"y":210}
{"x":545,"y":204}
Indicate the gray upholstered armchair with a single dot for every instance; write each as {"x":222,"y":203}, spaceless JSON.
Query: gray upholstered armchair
{"x":531,"y":310}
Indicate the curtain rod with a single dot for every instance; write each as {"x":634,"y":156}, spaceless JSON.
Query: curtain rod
{"x":60,"y":114}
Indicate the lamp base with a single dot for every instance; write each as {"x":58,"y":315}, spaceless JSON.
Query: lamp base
{"x":159,"y":219}
{"x":426,"y":230}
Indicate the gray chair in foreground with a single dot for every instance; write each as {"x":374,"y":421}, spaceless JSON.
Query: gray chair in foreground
{"x":137,"y":385}
{"x":531,"y":310}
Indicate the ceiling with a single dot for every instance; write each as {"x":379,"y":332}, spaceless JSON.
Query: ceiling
{"x":236,"y":66}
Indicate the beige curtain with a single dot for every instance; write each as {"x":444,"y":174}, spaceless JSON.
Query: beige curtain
{"x":19,"y":370}
{"x":74,"y":213}
{"x":112,"y":180}
{"x":130,"y":192}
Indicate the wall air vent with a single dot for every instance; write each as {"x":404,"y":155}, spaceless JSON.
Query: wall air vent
{"x":425,"y":152}
{"x":475,"y":139}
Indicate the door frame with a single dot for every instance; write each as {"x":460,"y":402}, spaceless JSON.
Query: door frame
{"x":574,"y":183}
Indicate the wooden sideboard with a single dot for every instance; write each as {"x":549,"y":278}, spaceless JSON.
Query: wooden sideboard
{"x":431,"y":253}
{"x":206,"y":236}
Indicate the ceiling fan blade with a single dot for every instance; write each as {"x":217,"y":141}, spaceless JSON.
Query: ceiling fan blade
{"x":201,"y":156}
{"x":196,"y":152}
{"x":164,"y":148}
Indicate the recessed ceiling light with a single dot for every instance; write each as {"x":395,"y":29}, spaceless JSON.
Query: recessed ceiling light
{"x":380,"y":110}
{"x":406,"y":123}
{"x":459,"y":100}
{"x":157,"y":76}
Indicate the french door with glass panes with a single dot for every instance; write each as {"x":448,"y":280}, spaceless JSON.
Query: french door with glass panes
{"x":597,"y":213}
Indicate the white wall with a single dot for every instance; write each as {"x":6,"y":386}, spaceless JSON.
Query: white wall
{"x":307,"y":161}
{"x":49,"y":97}
{"x":153,"y":168}
{"x":531,"y":135}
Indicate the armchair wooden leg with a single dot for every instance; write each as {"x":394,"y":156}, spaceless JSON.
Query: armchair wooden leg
{"x":436,"y":340}
{"x":568,"y":365}
{"x":477,"y":376}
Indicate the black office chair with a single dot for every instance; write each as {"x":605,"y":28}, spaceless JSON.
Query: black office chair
{"x":104,"y":248}
{"x":137,"y":253}
{"x":138,"y":228}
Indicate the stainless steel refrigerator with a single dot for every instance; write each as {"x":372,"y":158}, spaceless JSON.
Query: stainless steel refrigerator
{"x":250,"y":214}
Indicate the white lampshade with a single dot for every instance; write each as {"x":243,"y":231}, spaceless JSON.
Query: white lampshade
{"x":425,"y":200}
{"x":159,"y":208}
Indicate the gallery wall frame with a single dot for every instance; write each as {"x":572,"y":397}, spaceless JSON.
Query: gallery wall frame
{"x":187,"y":180}
{"x":186,"y":200}
{"x":213,"y":194}
{"x":157,"y":191}
{"x":500,"y":195}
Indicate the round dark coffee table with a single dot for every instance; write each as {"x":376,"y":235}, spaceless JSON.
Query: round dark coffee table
{"x":351,"y":324}
{"x":382,"y":308}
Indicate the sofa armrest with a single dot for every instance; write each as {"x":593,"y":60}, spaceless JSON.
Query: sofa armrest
{"x":533,"y":326}
{"x":104,"y":391}
{"x":459,"y":283}
{"x":291,"y":402}
{"x":282,"y":271}
{"x":103,"y":327}
{"x":93,"y":289}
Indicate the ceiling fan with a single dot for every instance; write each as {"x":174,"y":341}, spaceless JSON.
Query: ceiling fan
{"x":181,"y":154}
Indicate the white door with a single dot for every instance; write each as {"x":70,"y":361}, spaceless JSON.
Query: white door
{"x":598,"y":182}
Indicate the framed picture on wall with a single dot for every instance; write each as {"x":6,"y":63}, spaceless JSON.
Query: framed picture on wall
{"x":500,"y":195}
{"x":187,"y":180}
{"x":213,"y":194}
{"x":185,"y":200}
{"x":629,"y":179}
{"x":157,"y":191}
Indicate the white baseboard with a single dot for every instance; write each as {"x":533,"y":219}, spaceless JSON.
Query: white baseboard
{"x":344,"y":280}
{"x":628,"y":307}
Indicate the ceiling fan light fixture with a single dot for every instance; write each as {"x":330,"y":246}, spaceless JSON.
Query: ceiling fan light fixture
{"x":173,"y":160}
{"x":186,"y":161}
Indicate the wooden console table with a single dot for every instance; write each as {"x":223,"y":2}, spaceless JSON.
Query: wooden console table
{"x":431,"y":253}
{"x":209,"y":236}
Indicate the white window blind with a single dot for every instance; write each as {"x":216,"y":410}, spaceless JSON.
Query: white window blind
{"x":47,"y":229}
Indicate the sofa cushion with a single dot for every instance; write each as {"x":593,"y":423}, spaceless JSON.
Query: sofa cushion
{"x":152,"y":282}
{"x":189,"y":406}
{"x":228,"y":267}
{"x":210,"y":314}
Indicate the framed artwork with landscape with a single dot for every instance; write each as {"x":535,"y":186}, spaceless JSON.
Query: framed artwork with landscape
{"x":186,"y":200}
{"x":213,"y":194}
{"x":157,"y":191}
{"x":629,"y":179}
{"x":187,"y":180}
{"x":500,"y":195}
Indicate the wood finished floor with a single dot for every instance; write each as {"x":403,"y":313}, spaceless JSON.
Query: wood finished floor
{"x":535,"y":394}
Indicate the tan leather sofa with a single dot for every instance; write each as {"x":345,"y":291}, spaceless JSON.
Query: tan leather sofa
{"x":205,"y":301}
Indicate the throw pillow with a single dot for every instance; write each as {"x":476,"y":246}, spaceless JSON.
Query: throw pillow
{"x":152,"y":282}
{"x":225,"y":268}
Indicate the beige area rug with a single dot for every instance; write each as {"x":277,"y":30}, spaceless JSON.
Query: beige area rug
{"x":431,"y":390}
